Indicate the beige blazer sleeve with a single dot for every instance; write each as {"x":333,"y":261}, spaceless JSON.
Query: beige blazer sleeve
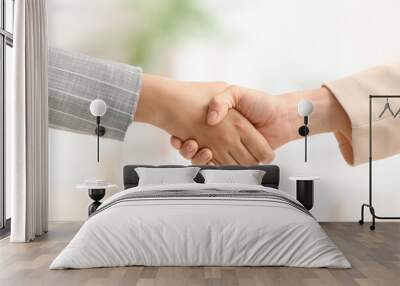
{"x":353,"y":94}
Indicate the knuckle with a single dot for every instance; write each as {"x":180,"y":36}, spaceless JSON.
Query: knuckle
{"x":187,"y":151}
{"x":203,"y":157}
{"x":185,"y":155}
{"x":216,"y":102}
{"x":225,"y":139}
{"x":234,"y":89}
{"x":191,"y":145}
{"x":239,"y":123}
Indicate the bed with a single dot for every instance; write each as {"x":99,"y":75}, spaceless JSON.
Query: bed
{"x":201,"y":224}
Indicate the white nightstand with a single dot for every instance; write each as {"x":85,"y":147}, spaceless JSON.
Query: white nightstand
{"x":305,"y":190}
{"x":96,"y":191}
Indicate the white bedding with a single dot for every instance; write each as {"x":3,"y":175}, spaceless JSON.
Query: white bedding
{"x":182,"y":231}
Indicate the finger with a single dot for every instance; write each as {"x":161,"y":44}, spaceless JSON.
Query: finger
{"x":259,"y":147}
{"x":176,"y":142}
{"x":235,"y":162}
{"x":203,"y":157}
{"x":214,"y":162}
{"x":224,"y":158}
{"x":189,"y":149}
{"x":249,"y":138}
{"x":220,"y":104}
{"x":243,"y":156}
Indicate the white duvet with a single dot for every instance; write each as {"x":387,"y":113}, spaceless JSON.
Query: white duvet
{"x":200,"y":231}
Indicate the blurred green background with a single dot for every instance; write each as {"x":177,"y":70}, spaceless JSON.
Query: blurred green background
{"x":161,"y":24}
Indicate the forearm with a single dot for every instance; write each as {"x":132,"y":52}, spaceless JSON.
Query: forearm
{"x":168,"y":104}
{"x":328,"y":114}
{"x":353,"y":94}
{"x":156,"y":98}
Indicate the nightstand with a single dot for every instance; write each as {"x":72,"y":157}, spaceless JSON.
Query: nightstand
{"x":96,"y":191}
{"x":305,"y":190}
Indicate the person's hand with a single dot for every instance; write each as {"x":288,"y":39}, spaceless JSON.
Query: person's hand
{"x":267,"y":113}
{"x":180,"y":108}
{"x":275,"y":117}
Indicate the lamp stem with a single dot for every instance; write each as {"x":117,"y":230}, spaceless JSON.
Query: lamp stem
{"x":305,"y":148}
{"x":305,"y":138}
{"x":98,"y":137}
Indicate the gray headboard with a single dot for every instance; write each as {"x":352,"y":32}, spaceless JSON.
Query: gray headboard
{"x":271,"y":177}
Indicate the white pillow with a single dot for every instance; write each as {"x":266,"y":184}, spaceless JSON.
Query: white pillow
{"x":163,"y":176}
{"x":248,"y":177}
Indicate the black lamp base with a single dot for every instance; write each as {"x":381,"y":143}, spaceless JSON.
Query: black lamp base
{"x":100,"y":130}
{"x":303,"y":130}
{"x":305,"y":193}
{"x":96,"y":195}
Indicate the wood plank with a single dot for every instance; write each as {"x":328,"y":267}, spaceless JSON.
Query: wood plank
{"x":375,"y":257}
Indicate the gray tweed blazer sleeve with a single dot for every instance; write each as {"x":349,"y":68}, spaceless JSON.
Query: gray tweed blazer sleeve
{"x":76,"y":79}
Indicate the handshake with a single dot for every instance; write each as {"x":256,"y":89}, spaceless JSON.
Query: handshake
{"x":220,"y":124}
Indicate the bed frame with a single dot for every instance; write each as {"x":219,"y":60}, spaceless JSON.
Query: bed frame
{"x":270,"y":179}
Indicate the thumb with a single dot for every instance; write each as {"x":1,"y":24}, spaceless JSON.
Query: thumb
{"x":219,"y":106}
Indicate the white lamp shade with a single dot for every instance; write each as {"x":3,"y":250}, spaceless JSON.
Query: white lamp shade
{"x":305,"y":107}
{"x":98,"y":107}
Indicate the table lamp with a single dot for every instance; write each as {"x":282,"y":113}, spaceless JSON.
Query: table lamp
{"x":98,"y":108}
{"x":305,"y":108}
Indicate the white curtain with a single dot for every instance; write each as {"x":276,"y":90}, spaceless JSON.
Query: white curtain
{"x":28,"y":123}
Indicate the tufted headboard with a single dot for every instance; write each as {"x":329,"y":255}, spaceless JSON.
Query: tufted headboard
{"x":270,"y":179}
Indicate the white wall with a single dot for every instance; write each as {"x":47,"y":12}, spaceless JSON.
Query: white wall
{"x":73,"y":159}
{"x":275,"y":46}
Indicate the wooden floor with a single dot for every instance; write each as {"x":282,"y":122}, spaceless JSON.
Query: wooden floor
{"x":375,"y":257}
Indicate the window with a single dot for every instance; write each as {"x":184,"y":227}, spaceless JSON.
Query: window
{"x":6,"y":43}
